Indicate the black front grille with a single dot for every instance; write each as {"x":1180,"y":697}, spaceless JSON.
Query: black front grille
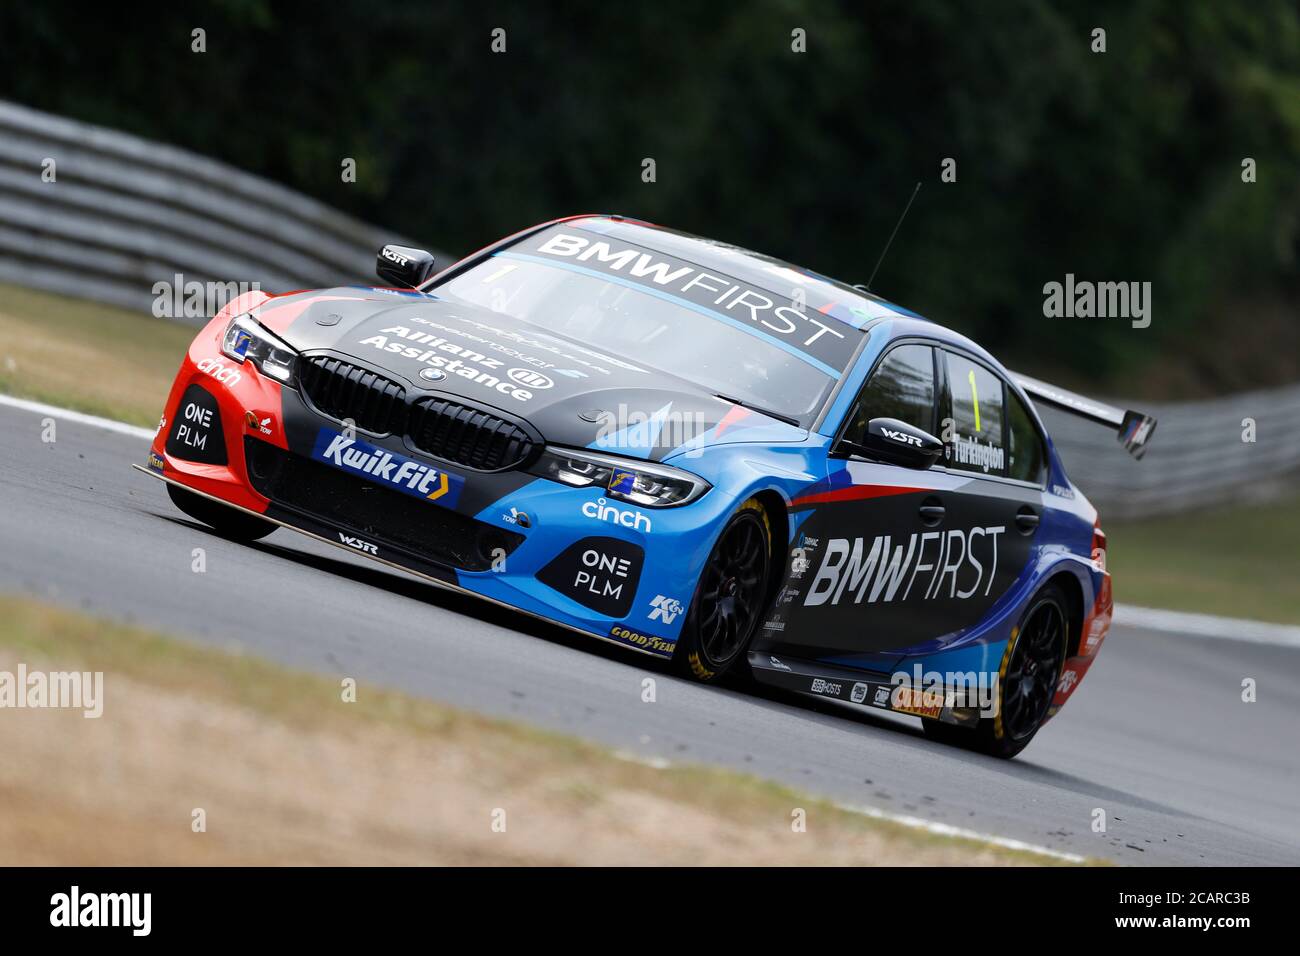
{"x":467,"y":436}
{"x":378,"y":514}
{"x":344,"y":391}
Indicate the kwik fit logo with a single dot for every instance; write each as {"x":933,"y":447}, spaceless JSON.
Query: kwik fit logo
{"x":387,"y":468}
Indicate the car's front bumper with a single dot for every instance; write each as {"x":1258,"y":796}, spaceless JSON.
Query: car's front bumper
{"x":560,"y":553}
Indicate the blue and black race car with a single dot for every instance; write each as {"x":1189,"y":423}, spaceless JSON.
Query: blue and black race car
{"x":700,"y":453}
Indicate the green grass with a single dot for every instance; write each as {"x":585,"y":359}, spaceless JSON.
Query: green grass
{"x":88,"y":357}
{"x":1239,"y":562}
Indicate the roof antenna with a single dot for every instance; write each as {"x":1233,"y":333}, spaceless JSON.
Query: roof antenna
{"x":867,"y":287}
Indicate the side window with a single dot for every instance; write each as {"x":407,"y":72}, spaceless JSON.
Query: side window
{"x":1026,"y":455}
{"x":975,"y":439}
{"x":902,"y":387}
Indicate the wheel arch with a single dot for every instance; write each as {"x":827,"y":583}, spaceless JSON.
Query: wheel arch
{"x":779,"y":520}
{"x":1071,"y":587}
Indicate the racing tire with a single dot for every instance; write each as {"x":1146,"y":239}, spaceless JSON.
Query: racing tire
{"x":226,"y":521}
{"x":1031,"y":668}
{"x":730,"y":598}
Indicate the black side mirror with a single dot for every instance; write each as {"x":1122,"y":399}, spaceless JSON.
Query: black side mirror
{"x":896,"y":443}
{"x":404,"y":266}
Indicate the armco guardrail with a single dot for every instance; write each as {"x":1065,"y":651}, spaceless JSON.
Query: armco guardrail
{"x":125,"y":213}
{"x":1196,"y":459}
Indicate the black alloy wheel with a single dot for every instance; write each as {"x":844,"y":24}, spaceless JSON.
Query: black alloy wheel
{"x":1026,"y":685}
{"x":730,"y":598}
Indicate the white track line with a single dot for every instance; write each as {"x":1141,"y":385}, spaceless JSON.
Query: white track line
{"x":1207,"y":625}
{"x":1174,"y":622}
{"x":948,"y":830}
{"x":902,"y":819}
{"x":81,"y":418}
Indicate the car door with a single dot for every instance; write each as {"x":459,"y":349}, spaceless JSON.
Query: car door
{"x":993,"y":451}
{"x":868,"y":538}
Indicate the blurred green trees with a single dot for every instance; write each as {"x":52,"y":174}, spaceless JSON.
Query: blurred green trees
{"x":1123,"y":165}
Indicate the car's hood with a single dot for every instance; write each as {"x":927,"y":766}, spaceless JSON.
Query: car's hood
{"x":573,"y":394}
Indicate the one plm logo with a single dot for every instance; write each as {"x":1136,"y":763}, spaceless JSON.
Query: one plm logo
{"x":387,"y":468}
{"x":664,"y":609}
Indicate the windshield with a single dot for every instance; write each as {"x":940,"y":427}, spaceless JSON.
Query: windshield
{"x":739,"y":355}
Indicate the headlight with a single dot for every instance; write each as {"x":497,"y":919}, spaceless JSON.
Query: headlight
{"x":644,"y":483}
{"x":246,"y":341}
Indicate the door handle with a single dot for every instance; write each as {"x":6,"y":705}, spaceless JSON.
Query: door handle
{"x":931,"y":511}
{"x":1027,"y":520}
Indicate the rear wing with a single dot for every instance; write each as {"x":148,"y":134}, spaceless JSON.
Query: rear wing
{"x":1133,"y":429}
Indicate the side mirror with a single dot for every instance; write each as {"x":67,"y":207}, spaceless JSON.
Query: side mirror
{"x":403,"y":266}
{"x":896,"y":443}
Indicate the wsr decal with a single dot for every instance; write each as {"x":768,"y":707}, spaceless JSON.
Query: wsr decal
{"x":932,"y":564}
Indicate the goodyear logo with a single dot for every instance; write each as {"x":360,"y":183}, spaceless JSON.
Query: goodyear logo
{"x":155,"y":461}
{"x":644,"y":642}
{"x":388,"y":468}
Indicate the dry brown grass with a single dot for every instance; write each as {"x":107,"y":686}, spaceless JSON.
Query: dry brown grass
{"x":288,"y":773}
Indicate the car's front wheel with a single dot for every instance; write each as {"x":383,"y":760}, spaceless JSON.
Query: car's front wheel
{"x":1026,"y":685}
{"x":227,"y":522}
{"x":730,"y":597}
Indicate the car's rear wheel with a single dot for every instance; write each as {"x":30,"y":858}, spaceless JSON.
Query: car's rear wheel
{"x":1026,"y":686}
{"x":730,"y":597}
{"x":227,"y":522}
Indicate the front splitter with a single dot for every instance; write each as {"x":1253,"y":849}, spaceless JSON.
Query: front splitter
{"x":441,"y":577}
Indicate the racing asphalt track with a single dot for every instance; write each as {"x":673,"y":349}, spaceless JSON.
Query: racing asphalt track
{"x":1158,"y":735}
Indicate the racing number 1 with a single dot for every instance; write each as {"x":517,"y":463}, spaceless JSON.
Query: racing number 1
{"x":975,"y":398}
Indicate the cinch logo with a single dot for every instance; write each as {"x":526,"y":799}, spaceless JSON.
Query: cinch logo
{"x":222,"y":373}
{"x":604,"y":511}
{"x":387,"y":468}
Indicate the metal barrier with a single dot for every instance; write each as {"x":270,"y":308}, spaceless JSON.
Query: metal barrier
{"x":1196,"y":459}
{"x":125,"y":213}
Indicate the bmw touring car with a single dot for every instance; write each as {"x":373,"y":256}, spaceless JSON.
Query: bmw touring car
{"x":694,"y":451}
